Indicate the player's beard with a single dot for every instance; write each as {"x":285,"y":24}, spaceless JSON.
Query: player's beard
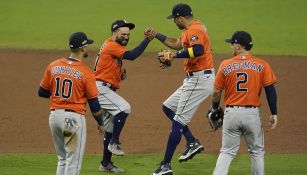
{"x":122,"y":41}
{"x":180,"y":27}
{"x":85,"y":55}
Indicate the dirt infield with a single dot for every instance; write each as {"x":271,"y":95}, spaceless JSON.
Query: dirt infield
{"x":24,"y":116}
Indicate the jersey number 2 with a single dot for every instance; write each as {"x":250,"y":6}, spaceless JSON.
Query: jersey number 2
{"x":63,"y":88}
{"x":242,"y":81}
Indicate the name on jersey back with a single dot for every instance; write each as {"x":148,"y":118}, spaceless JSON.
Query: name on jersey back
{"x":68,"y":71}
{"x":242,"y":65}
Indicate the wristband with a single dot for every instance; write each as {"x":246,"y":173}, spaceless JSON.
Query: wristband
{"x":161,"y":37}
{"x":215,"y":105}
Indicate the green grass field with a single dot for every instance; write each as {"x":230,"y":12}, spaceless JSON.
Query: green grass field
{"x":45,"y":164}
{"x":278,"y":27}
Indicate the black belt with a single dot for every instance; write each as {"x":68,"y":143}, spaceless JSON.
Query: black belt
{"x":247,"y":106}
{"x":67,"y":110}
{"x":205,"y":72}
{"x":109,"y":86}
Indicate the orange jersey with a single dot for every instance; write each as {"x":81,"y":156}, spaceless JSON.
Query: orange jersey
{"x":197,"y":34}
{"x":243,"y":77}
{"x":108,"y":66}
{"x":70,"y":83}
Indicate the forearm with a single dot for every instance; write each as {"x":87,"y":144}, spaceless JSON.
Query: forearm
{"x":136,"y":52}
{"x":98,"y":117}
{"x":96,"y":110}
{"x":216,"y":98}
{"x":172,"y":43}
{"x":169,"y":42}
{"x":271,"y":96}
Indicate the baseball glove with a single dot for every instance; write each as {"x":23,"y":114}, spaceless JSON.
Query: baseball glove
{"x":165,"y":57}
{"x":215,"y":118}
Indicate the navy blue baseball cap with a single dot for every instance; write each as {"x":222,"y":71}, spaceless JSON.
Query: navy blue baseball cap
{"x":79,"y":39}
{"x":241,"y":37}
{"x":121,"y":23}
{"x":180,"y":10}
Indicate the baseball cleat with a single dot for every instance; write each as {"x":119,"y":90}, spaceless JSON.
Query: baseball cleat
{"x":110,"y":168}
{"x":163,"y":170}
{"x":115,"y":149}
{"x":191,"y":150}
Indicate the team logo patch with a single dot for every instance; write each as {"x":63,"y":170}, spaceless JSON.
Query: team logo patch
{"x":194,"y":38}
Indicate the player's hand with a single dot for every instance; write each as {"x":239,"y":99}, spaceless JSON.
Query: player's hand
{"x":150,"y":33}
{"x":273,"y":121}
{"x":100,"y":129}
{"x":123,"y":76}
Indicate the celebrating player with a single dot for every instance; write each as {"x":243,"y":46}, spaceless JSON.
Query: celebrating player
{"x":109,"y":72}
{"x":243,"y":77}
{"x":70,"y":84}
{"x":194,"y":46}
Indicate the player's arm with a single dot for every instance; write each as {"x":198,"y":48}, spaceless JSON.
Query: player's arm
{"x":216,"y":98}
{"x":271,"y":96}
{"x":169,"y":42}
{"x":96,"y":110}
{"x":42,"y":92}
{"x":192,"y":52}
{"x":137,"y":51}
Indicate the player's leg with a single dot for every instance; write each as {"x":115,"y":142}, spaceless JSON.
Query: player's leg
{"x":119,"y":121}
{"x":74,"y":139}
{"x":186,"y":131}
{"x":119,"y":108}
{"x":254,"y":138}
{"x":107,"y":155}
{"x":231,"y":136}
{"x":106,"y":164}
{"x":190,"y":95}
{"x":55,"y":124}
{"x":173,"y":140}
{"x":170,"y":106}
{"x":195,"y":90}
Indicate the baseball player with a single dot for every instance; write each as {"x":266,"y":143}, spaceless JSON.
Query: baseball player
{"x":194,"y":46}
{"x":69,"y":84}
{"x":242,"y":77}
{"x":108,"y":73}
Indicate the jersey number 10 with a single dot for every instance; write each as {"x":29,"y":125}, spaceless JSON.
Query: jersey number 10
{"x":63,"y":88}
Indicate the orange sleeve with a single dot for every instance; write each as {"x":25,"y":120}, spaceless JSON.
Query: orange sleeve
{"x":45,"y":82}
{"x":193,"y":37}
{"x":116,"y":50}
{"x":268,"y":76}
{"x":220,"y":78}
{"x":90,"y":86}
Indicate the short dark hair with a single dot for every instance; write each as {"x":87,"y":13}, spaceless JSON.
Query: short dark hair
{"x":75,"y":50}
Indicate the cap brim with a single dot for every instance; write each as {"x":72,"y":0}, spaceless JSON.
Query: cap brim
{"x":170,"y":17}
{"x":89,"y":41}
{"x":228,"y":40}
{"x":130,"y":25}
